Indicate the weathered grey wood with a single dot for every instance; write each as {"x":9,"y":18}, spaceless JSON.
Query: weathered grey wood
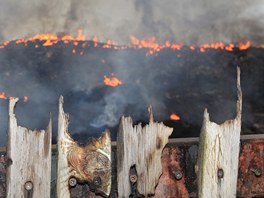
{"x":142,"y":147}
{"x":172,"y":141}
{"x":91,"y":163}
{"x":219,"y":154}
{"x":30,"y":157}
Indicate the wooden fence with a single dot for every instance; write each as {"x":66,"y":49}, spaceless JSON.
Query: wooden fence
{"x":134,"y":164}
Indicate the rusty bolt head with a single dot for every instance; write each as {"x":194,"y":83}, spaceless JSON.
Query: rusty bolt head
{"x":177,"y":175}
{"x":257,"y":172}
{"x":133,"y":178}
{"x":220,"y":173}
{"x":97,"y":181}
{"x":72,"y":182}
{"x":28,"y":185}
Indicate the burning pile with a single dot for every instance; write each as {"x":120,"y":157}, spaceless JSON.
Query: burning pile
{"x":105,"y":80}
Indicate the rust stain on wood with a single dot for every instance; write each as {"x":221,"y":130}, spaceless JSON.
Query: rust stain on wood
{"x":169,"y":184}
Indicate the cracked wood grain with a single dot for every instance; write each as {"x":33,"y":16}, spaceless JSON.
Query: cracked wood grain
{"x":140,"y":147}
{"x":219,"y":154}
{"x":29,"y":154}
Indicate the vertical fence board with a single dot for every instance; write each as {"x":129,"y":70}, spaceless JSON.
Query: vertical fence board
{"x":142,"y":147}
{"x":90,"y":163}
{"x":29,"y":154}
{"x":219,"y":154}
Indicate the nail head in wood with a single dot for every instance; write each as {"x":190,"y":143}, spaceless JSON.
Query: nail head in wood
{"x":133,"y":178}
{"x":220,"y":173}
{"x":72,"y":182}
{"x":177,"y":175}
{"x":28,"y":185}
{"x":257,"y":172}
{"x":97,"y":181}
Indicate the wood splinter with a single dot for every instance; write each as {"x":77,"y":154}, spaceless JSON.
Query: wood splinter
{"x":140,"y":147}
{"x":219,"y":154}
{"x":91,"y":163}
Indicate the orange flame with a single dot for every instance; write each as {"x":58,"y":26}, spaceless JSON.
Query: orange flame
{"x":151,"y":44}
{"x":95,"y":40}
{"x":173,"y":116}
{"x":243,"y":46}
{"x":4,"y":96}
{"x":112,"y":81}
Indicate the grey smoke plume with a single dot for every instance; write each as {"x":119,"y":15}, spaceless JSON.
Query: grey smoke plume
{"x":188,"y":21}
{"x":164,"y":81}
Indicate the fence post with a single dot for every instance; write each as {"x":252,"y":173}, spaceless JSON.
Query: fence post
{"x":140,"y":147}
{"x":29,"y":153}
{"x":90,"y":163}
{"x":219,"y":154}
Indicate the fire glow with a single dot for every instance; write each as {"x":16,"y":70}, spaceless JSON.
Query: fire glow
{"x":4,"y":96}
{"x":173,"y":116}
{"x":148,"y":43}
{"x":112,"y":81}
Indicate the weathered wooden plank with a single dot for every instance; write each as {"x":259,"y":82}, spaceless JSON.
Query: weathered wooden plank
{"x":91,"y":163}
{"x":183,"y":162}
{"x":140,"y":147}
{"x":29,"y":154}
{"x":219,"y":154}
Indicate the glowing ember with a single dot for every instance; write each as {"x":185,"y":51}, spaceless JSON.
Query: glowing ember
{"x":95,"y":40}
{"x":112,"y":81}
{"x":243,"y":46}
{"x":25,"y":98}
{"x":173,"y":116}
{"x":4,"y":96}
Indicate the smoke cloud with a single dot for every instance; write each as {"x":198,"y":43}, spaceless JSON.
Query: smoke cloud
{"x":163,"y":81}
{"x":188,"y":21}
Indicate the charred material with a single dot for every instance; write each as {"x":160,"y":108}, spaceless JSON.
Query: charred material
{"x":90,"y":163}
{"x":181,"y":81}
